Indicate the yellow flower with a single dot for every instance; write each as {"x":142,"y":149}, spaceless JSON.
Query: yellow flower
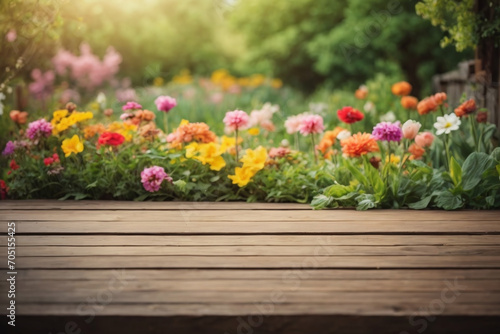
{"x":209,"y":153}
{"x":227,"y":143}
{"x":58,"y":115}
{"x":276,"y":83}
{"x":60,"y":122}
{"x":394,"y":159}
{"x":184,"y":78}
{"x":253,"y":131}
{"x":242,"y":175}
{"x":73,"y":145}
{"x":158,"y":82}
{"x":255,"y":159}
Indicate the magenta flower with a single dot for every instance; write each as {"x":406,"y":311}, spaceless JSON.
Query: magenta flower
{"x":153,"y":177}
{"x":38,"y":129}
{"x":9,"y":148}
{"x":311,"y":124}
{"x":236,"y":119}
{"x":131,"y":106}
{"x":387,"y":131}
{"x":165,"y":103}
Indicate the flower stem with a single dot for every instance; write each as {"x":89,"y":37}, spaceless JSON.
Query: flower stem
{"x":236,"y":144}
{"x":314,"y":148}
{"x":447,"y":149}
{"x":474,"y":132}
{"x":165,"y":122}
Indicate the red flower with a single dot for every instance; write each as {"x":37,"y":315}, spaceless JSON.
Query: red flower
{"x":110,"y":138}
{"x":13,"y":165}
{"x":350,"y":115}
{"x":3,"y":190}
{"x":50,"y":160}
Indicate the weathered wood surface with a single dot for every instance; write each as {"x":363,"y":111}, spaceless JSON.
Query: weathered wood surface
{"x":233,"y":259}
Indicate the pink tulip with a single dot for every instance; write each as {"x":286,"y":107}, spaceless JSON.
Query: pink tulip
{"x":410,"y":129}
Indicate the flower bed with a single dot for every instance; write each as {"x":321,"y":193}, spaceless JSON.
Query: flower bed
{"x":440,"y":157}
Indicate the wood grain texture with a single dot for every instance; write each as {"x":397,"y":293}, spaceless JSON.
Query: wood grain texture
{"x":228,"y":259}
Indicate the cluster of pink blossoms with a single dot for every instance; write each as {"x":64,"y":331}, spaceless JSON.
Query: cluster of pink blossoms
{"x":311,"y":124}
{"x":39,"y":129}
{"x":387,"y":131}
{"x":42,"y":86}
{"x":153,"y":177}
{"x":87,"y":69}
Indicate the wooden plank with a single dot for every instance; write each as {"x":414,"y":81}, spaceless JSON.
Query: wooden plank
{"x":129,"y":205}
{"x":63,"y":289}
{"x":252,"y":240}
{"x":258,"y":262}
{"x":313,"y":251}
{"x":236,"y":297}
{"x":244,"y":215}
{"x":257,"y":227}
{"x":242,"y":274}
{"x":382,"y":307}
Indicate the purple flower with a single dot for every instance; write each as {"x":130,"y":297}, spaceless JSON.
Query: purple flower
{"x":131,"y":106}
{"x":153,"y":177}
{"x":387,"y":131}
{"x":9,"y":148}
{"x":165,"y":103}
{"x":38,"y":129}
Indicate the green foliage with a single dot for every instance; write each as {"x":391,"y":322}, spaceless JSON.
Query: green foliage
{"x":465,"y":25}
{"x":307,"y":42}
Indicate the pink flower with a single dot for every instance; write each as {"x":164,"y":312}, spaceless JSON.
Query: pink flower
{"x":235,"y":120}
{"x":424,"y":139}
{"x":42,"y":86}
{"x":216,"y":98}
{"x":38,"y":129}
{"x":11,"y":36}
{"x":387,"y":131}
{"x":165,"y":103}
{"x":410,"y":129}
{"x":278,"y":152}
{"x":131,"y":106}
{"x":311,"y":124}
{"x":292,"y":123}
{"x":153,"y":177}
{"x":126,"y":115}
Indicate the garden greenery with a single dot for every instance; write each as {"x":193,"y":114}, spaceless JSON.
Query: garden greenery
{"x":422,"y":154}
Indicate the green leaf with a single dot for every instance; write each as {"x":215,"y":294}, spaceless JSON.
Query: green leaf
{"x":357,"y":174}
{"x":474,"y":167}
{"x":141,"y":198}
{"x":496,"y":154}
{"x":448,"y":201}
{"x":321,"y":202}
{"x":455,"y":172}
{"x":92,"y":185}
{"x":422,"y":204}
{"x":376,"y":182}
{"x":181,"y":184}
{"x":365,"y":202}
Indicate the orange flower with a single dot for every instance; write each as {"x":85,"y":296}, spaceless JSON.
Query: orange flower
{"x":468,"y":107}
{"x":20,"y":117}
{"x":187,"y":132}
{"x":91,"y":130}
{"x":361,"y":93}
{"x":431,"y":103}
{"x":416,"y":151}
{"x":401,"y":88}
{"x":149,"y":131}
{"x":359,"y":144}
{"x":328,"y":139}
{"x":409,"y":102}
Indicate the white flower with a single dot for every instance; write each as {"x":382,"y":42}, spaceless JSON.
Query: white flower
{"x":344,"y":134}
{"x":447,"y":123}
{"x":285,"y":143}
{"x":389,"y":117}
{"x":101,"y":99}
{"x":369,"y":106}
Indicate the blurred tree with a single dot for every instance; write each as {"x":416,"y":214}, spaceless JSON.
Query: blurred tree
{"x":29,"y":29}
{"x":155,"y":37}
{"x":308,"y":42}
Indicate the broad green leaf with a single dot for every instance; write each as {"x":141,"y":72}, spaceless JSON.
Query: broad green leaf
{"x":448,"y":201}
{"x":474,"y":167}
{"x":365,"y":202}
{"x":422,"y":204}
{"x":321,"y":202}
{"x":455,"y":172}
